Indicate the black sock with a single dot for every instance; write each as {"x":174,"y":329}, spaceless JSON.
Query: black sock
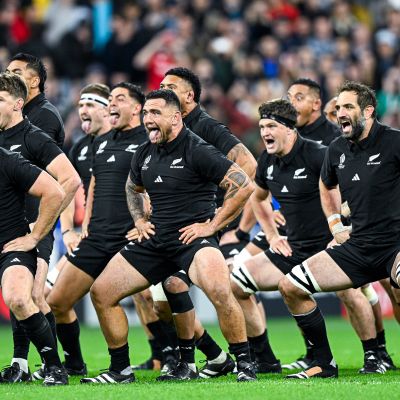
{"x":157,"y":329}
{"x":170,"y":330}
{"x":39,"y":332}
{"x":119,"y":358}
{"x":68,"y":335}
{"x":241,"y":351}
{"x":380,"y":336}
{"x":309,"y":353}
{"x":207,"y":345}
{"x":262,"y":349}
{"x":313,"y":327}
{"x":155,"y":350}
{"x":52,"y":322}
{"x":186,"y":348}
{"x":20,"y":339}
{"x":370,"y":345}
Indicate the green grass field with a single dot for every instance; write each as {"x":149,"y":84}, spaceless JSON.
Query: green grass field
{"x":285,"y":340}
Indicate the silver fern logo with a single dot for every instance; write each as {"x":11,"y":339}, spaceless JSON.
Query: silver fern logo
{"x":270,"y":169}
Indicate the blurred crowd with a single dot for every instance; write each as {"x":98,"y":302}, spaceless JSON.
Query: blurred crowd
{"x":245,"y":51}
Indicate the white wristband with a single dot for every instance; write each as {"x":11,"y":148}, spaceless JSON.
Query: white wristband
{"x":333,"y":217}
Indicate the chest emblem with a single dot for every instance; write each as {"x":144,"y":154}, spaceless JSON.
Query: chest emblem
{"x":82,"y":155}
{"x":175,"y":163}
{"x":372,"y":160}
{"x":146,"y":163}
{"x":101,"y":147}
{"x":298,"y":174}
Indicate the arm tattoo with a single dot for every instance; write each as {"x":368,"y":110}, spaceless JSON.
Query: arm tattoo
{"x":234,"y":180}
{"x":237,"y":151}
{"x":135,"y":201}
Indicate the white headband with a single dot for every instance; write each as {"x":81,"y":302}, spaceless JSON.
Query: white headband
{"x":94,"y":97}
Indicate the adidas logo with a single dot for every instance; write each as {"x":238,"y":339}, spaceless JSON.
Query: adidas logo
{"x":101,"y":147}
{"x":45,"y":349}
{"x":284,"y":190}
{"x":204,"y":241}
{"x":371,"y":160}
{"x":111,"y":159}
{"x":319,"y":141}
{"x":15,"y":260}
{"x":158,"y":179}
{"x":234,"y":252}
{"x":356,"y":178}
{"x":132,"y":148}
{"x":14,"y":147}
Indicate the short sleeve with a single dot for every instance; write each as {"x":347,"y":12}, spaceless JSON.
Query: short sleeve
{"x":328,"y":172}
{"x":43,"y":150}
{"x":135,"y":174}
{"x":210,"y":163}
{"x":260,"y":171}
{"x":21,"y":173}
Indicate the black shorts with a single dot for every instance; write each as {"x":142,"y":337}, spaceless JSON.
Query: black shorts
{"x":27,"y":259}
{"x":260,"y":241}
{"x":366,"y":263}
{"x":45,"y":247}
{"x":94,"y":252}
{"x":285,"y":264}
{"x":232,"y":249}
{"x":162,"y":256}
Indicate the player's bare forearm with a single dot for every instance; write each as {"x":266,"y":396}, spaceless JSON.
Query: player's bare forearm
{"x":264,"y":212}
{"x":330,"y":199}
{"x":242,"y":157}
{"x":135,"y":200}
{"x":238,"y":188}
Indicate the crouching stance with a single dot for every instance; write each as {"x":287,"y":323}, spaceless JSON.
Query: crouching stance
{"x":180,"y":173}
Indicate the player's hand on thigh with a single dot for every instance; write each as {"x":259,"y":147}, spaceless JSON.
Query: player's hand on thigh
{"x":195,"y":231}
{"x":280,"y":245}
{"x":145,"y":229}
{"x":343,"y":236}
{"x":23,"y":243}
{"x":71,"y":240}
{"x":132,"y":235}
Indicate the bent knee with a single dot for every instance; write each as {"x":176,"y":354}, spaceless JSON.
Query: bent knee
{"x":174,"y":284}
{"x":238,"y":291}
{"x":18,"y":304}
{"x":162,"y":310}
{"x":289,"y":290}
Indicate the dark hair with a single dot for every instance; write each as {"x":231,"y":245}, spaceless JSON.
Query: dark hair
{"x":280,"y":108}
{"x":190,"y":77}
{"x":34,"y":63}
{"x":168,"y":95}
{"x":134,"y":91}
{"x":314,"y":86}
{"x":365,"y":95}
{"x":14,"y":85}
{"x":97,"y":88}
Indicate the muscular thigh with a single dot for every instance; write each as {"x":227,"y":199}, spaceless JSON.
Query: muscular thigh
{"x":326,"y":275}
{"x":71,"y":285}
{"x":208,"y":268}
{"x":119,"y":280}
{"x":264,"y":272}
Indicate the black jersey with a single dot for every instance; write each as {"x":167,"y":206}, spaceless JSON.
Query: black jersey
{"x":17,"y":175}
{"x":36,"y":147}
{"x":112,"y":155}
{"x":213,"y":132}
{"x":45,"y":116}
{"x":368,"y":174}
{"x":80,"y":156}
{"x":293,"y":181}
{"x":181,"y":178}
{"x":322,"y":131}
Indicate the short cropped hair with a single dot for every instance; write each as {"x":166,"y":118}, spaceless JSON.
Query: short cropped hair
{"x":34,"y":63}
{"x":365,"y":95}
{"x":190,"y":77}
{"x":135,"y":91}
{"x":168,"y":95}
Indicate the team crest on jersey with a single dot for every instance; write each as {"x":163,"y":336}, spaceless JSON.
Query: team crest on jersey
{"x":14,"y":147}
{"x":132,"y":148}
{"x":341,"y":161}
{"x":101,"y":147}
{"x":270,"y":169}
{"x":373,"y":159}
{"x":82,"y":155}
{"x":175,"y":163}
{"x":146,"y":163}
{"x":298,"y":174}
